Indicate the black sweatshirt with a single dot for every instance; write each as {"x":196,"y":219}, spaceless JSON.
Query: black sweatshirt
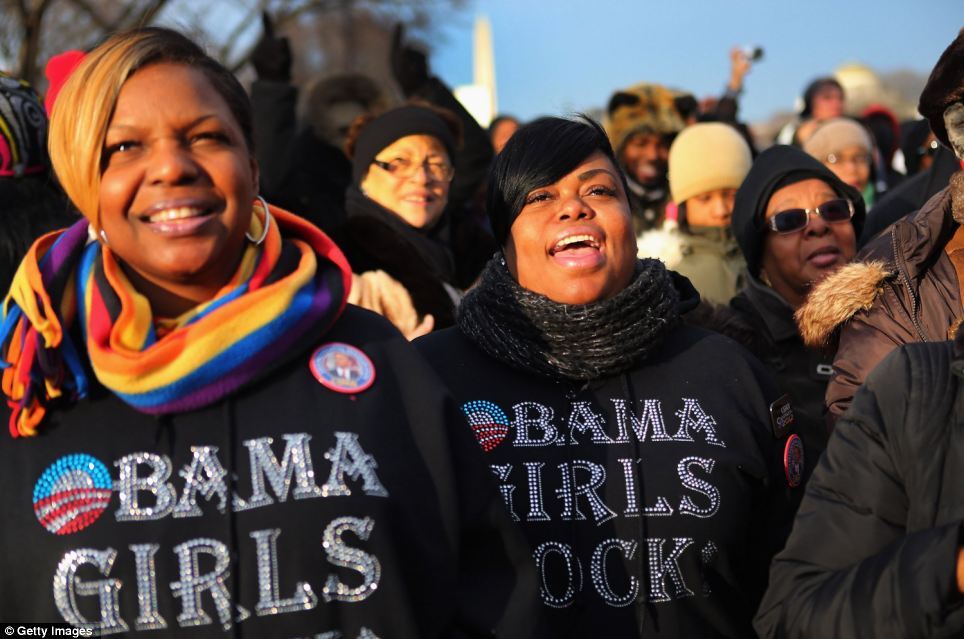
{"x":287,"y":510}
{"x":653,"y":500}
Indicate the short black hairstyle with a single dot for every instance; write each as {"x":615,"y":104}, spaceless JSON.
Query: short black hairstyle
{"x":541,"y":153}
{"x":815,"y":87}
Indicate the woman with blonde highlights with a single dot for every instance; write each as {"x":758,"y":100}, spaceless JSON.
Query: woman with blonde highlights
{"x":197,"y":419}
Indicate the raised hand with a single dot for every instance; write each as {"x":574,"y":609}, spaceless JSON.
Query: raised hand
{"x":409,"y":65}
{"x":272,"y":55}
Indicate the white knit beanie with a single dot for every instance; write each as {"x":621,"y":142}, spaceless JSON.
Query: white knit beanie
{"x":833,"y":136}
{"x":705,"y":157}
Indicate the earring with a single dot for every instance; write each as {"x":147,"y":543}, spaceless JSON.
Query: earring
{"x":267,"y":224}
{"x":103,"y":236}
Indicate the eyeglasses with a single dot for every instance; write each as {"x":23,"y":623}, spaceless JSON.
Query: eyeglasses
{"x":859,"y":159}
{"x":793,"y":220}
{"x":404,"y":169}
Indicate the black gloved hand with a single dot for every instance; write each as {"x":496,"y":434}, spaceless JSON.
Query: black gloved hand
{"x":271,"y":56}
{"x":409,"y":65}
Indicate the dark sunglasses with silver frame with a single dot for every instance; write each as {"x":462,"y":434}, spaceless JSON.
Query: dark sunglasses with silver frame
{"x":793,"y":220}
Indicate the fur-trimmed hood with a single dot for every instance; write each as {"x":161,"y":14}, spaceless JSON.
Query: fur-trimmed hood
{"x":839,"y":297}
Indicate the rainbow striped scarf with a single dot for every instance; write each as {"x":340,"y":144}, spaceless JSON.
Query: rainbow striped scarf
{"x":286,"y":293}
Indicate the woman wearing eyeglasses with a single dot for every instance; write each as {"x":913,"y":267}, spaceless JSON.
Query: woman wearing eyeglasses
{"x":845,"y":147}
{"x":396,"y":234}
{"x":796,"y":222}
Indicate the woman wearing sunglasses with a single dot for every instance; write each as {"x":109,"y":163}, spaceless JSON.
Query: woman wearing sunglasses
{"x":796,"y":222}
{"x":396,"y":228}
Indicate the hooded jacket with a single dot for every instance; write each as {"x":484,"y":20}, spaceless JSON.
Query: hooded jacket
{"x":903,"y":288}
{"x":760,"y":320}
{"x":875,"y":544}
{"x":779,"y":166}
{"x":286,"y":510}
{"x":652,"y":500}
{"x":758,"y":317}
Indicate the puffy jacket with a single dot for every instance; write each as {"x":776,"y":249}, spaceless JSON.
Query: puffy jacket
{"x":902,"y":289}
{"x":874,"y":547}
{"x":708,"y":256}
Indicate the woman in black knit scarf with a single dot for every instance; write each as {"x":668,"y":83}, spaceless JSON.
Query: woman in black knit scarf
{"x":637,"y":454}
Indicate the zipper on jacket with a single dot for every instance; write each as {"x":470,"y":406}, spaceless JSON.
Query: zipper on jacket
{"x":905,"y":279}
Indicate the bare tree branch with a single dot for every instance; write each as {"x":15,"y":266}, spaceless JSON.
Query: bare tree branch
{"x":231,"y":40}
{"x":93,"y":13}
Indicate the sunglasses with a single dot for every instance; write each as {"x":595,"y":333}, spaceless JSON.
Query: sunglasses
{"x":793,"y":220}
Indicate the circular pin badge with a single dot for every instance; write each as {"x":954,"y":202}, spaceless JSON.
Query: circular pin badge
{"x":72,"y":493}
{"x":488,"y":422}
{"x":793,"y":460}
{"x":342,"y":368}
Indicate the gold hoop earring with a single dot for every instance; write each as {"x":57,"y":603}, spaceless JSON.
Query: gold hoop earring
{"x":267,"y":224}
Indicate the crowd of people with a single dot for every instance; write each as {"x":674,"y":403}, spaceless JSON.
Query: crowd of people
{"x":376,"y":371}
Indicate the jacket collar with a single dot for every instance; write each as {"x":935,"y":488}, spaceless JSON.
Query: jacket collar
{"x":924,"y":234}
{"x":776,"y":314}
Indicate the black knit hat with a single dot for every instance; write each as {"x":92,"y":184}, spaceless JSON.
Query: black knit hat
{"x":394,"y":125}
{"x":944,"y":87}
{"x":775,"y":168}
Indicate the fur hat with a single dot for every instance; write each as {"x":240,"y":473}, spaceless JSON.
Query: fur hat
{"x":23,"y":129}
{"x":706,"y":157}
{"x":944,"y":87}
{"x":835,"y":135}
{"x":643,"y":108}
{"x":333,"y":102}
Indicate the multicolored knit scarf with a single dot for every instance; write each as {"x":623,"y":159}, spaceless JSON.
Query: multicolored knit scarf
{"x":286,"y":292}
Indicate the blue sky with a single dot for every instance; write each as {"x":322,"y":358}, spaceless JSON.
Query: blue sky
{"x":558,"y":56}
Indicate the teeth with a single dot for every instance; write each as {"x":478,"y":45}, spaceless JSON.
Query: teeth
{"x":574,"y":239}
{"x":180,"y":213}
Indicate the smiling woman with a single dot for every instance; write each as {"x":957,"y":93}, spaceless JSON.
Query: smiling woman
{"x":197,"y":339}
{"x":402,"y":170}
{"x":639,"y":460}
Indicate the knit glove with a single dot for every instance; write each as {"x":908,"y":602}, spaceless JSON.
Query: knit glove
{"x":409,"y":65}
{"x":271,"y":56}
{"x":379,"y":292}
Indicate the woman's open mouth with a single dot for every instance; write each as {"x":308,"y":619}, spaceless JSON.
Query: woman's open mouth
{"x":579,"y":250}
{"x":824,"y":257}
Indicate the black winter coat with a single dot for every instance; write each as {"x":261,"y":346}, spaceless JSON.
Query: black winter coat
{"x":286,"y":510}
{"x":652,"y":500}
{"x":298,"y":170}
{"x":763,"y":322}
{"x":374,"y":238}
{"x":874,"y":547}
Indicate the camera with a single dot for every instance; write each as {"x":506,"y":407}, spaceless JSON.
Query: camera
{"x":753,"y":53}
